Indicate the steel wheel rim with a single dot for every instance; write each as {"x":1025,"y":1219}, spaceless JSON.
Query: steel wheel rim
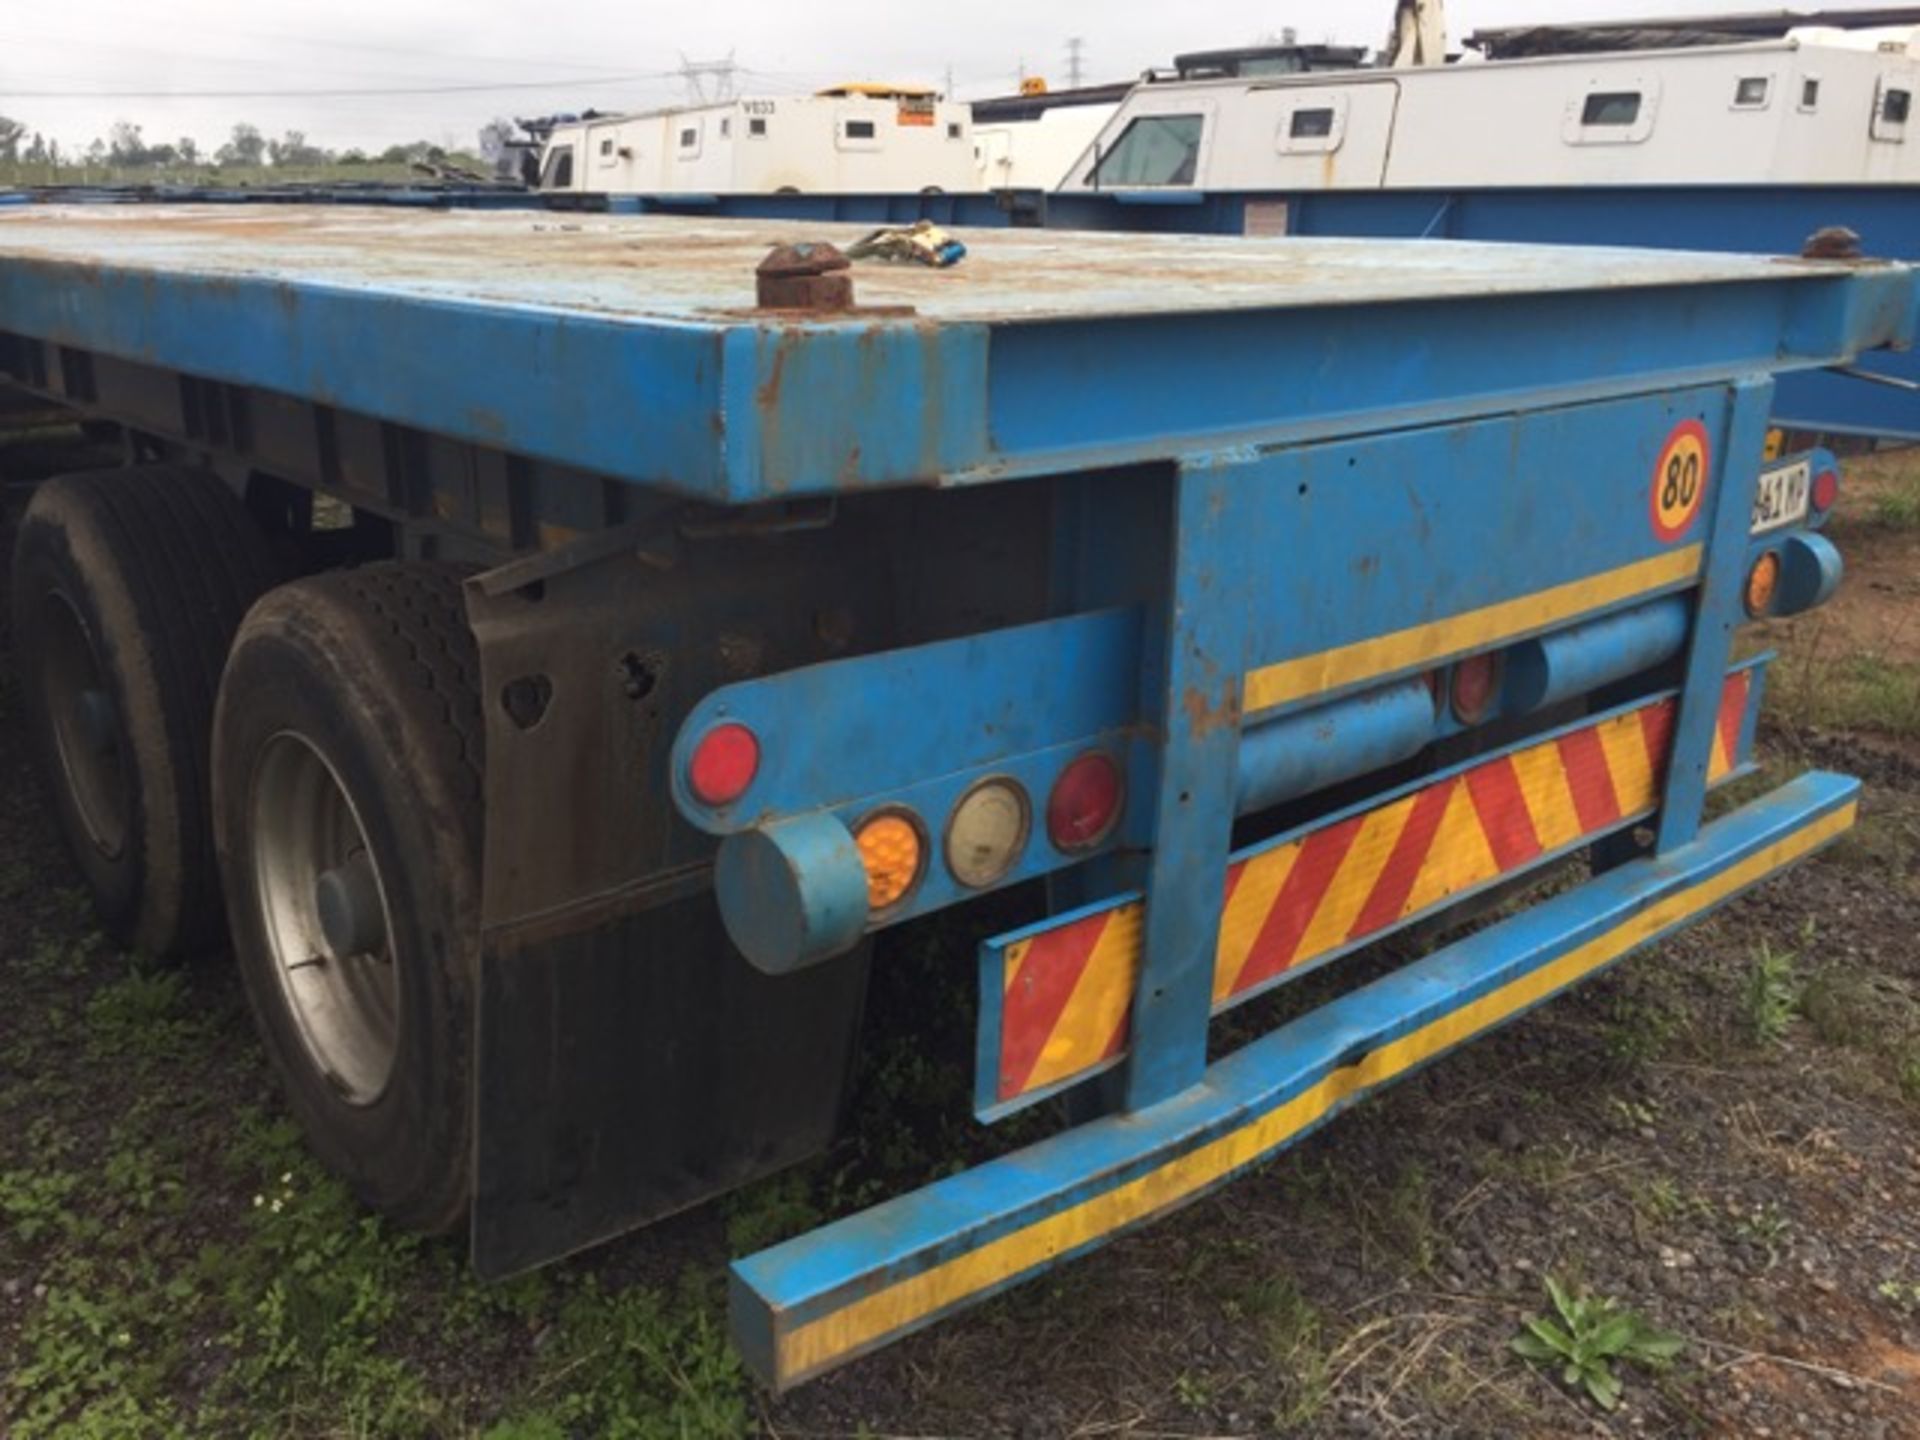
{"x":86,"y":733}
{"x":344,"y":995}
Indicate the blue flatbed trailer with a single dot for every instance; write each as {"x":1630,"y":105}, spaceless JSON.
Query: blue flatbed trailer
{"x":566,"y":665}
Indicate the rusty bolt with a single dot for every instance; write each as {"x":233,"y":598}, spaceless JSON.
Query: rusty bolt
{"x":1836,"y":242}
{"x":808,"y":276}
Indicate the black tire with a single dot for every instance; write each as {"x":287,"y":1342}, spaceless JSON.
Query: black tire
{"x":130,"y":584}
{"x":375,"y":673}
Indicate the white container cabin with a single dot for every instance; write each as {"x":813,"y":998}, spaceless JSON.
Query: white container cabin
{"x":1815,"y":107}
{"x":853,"y":138}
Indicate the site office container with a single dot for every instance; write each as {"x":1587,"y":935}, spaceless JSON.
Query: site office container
{"x":655,"y":652}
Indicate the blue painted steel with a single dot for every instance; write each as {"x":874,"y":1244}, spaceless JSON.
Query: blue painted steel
{"x":1195,"y":696}
{"x":792,"y":894}
{"x":1573,"y":662}
{"x":989,"y":1107}
{"x":778,"y":1293}
{"x":855,"y":732}
{"x":1747,"y":219}
{"x":1334,"y":545}
{"x":1307,"y":749}
{"x":1112,"y":389}
{"x":1301,"y":553}
{"x":1733,"y":475}
{"x":1810,"y":571}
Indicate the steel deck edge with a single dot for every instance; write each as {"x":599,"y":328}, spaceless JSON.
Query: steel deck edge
{"x":812,"y":1303}
{"x":741,"y":407}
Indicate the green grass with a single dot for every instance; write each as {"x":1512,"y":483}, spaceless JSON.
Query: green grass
{"x":1898,"y":506}
{"x":1848,"y":692}
{"x":1770,"y":997}
{"x":281,"y":1308}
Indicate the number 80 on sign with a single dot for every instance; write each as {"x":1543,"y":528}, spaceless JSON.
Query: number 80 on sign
{"x":1680,"y":480}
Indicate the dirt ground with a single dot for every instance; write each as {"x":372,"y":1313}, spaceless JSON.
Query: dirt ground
{"x":1722,"y":1135}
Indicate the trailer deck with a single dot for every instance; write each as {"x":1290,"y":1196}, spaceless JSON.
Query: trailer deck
{"x":565,"y":339}
{"x":651,"y":269}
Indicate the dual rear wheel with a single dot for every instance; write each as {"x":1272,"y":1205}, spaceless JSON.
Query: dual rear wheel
{"x":314,"y":751}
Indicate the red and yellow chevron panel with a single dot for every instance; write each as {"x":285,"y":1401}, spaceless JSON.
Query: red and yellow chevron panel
{"x":1068,"y":992}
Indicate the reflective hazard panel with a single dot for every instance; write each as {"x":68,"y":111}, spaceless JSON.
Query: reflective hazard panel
{"x":1057,"y":998}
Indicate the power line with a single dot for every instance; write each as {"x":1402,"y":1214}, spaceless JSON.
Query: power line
{"x":571,"y":83}
{"x":281,"y":37}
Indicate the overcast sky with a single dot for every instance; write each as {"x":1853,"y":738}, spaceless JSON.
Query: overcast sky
{"x":72,"y":69}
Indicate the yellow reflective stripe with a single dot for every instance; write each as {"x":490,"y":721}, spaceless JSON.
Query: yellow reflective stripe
{"x":1459,"y":857}
{"x":864,"y":1321}
{"x":1246,"y":914}
{"x":1383,"y":654}
{"x":1542,"y":773}
{"x":1633,"y":771}
{"x":1353,"y":882}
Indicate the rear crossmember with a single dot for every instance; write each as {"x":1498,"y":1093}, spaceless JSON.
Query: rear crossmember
{"x":817,"y":1301}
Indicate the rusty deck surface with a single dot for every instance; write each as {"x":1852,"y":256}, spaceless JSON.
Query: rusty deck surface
{"x":679,"y":270}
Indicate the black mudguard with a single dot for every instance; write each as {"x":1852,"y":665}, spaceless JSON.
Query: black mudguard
{"x":638,"y":1068}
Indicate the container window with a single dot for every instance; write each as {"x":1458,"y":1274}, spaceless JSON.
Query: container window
{"x":1810,"y":94}
{"x":1750,"y":93}
{"x":953,"y":129}
{"x":1612,"y":108}
{"x":1153,"y":150}
{"x":606,"y":146}
{"x":726,"y":126}
{"x":1314,"y":124}
{"x":689,"y":138}
{"x":860,"y":130}
{"x":757,"y":128}
{"x":1895,"y":105}
{"x":559,"y":172}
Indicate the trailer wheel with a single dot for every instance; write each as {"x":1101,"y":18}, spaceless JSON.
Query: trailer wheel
{"x":347,"y":792}
{"x":127,"y":588}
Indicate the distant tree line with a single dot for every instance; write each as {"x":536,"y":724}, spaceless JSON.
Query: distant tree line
{"x":125,"y":147}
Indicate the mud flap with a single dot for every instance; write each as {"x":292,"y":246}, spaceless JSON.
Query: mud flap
{"x":633,"y":1070}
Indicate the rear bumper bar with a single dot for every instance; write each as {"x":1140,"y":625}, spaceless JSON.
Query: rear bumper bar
{"x":817,"y":1301}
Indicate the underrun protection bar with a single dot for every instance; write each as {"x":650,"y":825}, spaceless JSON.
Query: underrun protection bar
{"x":822,"y":1299}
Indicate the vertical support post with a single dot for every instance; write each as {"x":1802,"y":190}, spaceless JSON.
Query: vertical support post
{"x":1196,"y":697}
{"x":1717,"y":612}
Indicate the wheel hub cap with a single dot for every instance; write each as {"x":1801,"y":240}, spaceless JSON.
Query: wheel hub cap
{"x":323,"y":908}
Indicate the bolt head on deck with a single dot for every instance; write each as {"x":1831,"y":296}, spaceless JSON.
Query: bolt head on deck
{"x":1835,"y":242}
{"x":811,"y":275}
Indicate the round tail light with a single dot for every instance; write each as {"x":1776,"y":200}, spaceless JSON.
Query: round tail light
{"x":1476,"y":684}
{"x":1763,"y":583}
{"x":894,"y":856}
{"x":987,"y":832}
{"x":1085,"y":803}
{"x":723,"y":764}
{"x":1826,"y":490}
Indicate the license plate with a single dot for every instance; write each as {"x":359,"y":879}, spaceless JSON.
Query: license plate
{"x":1784,"y":496}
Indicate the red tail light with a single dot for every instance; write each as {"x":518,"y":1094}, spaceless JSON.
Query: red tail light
{"x":1476,"y":683}
{"x":1085,"y":803}
{"x":1826,"y":490}
{"x":723,"y":764}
